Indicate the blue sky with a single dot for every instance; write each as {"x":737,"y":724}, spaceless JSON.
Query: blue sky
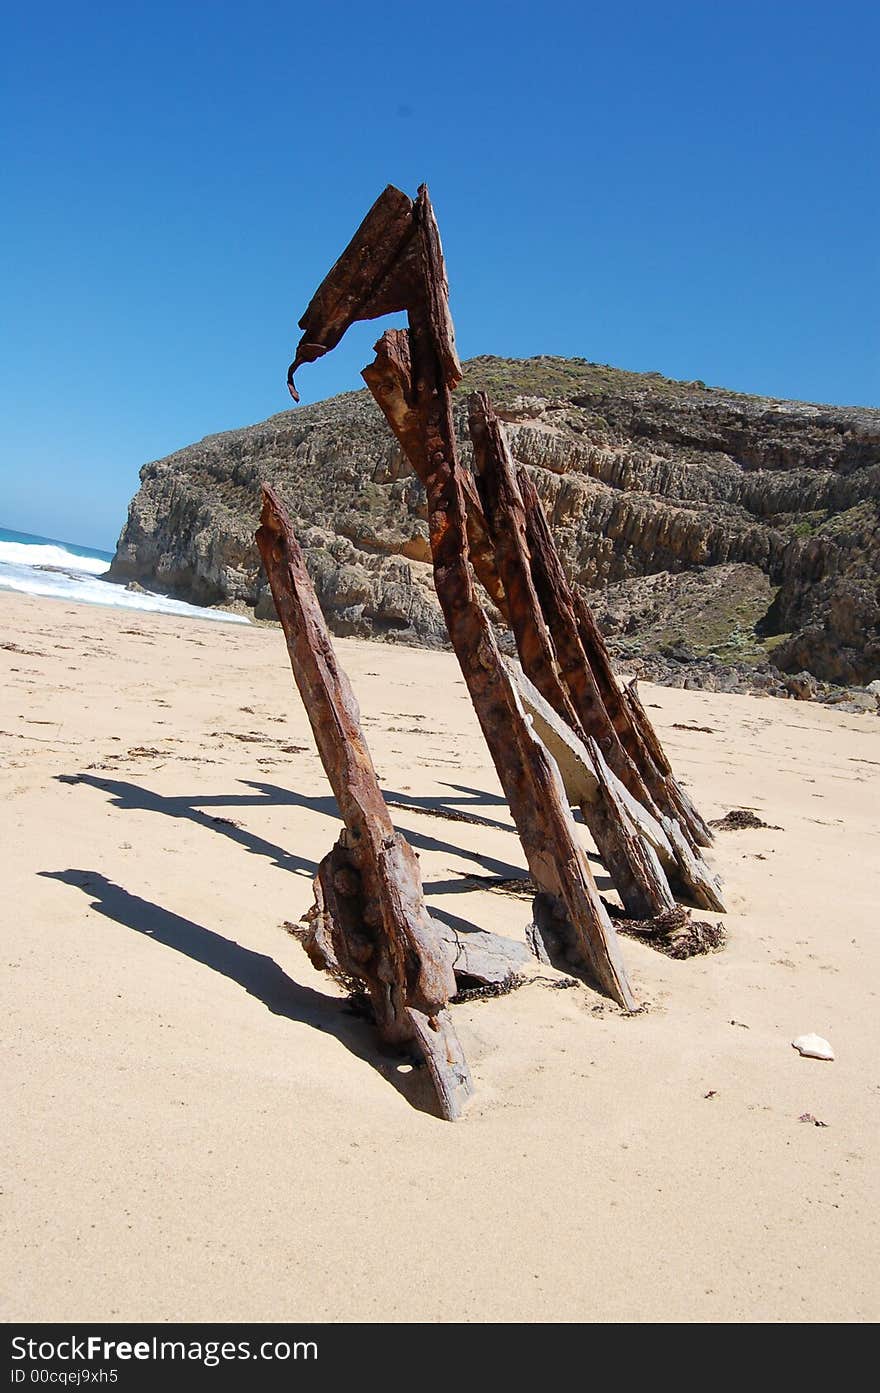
{"x":689,"y":188}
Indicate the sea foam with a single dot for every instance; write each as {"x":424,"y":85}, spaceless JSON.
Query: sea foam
{"x":41,"y":566}
{"x":49,"y":554}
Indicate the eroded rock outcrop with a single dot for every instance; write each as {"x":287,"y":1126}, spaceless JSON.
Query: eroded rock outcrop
{"x":741,"y":527}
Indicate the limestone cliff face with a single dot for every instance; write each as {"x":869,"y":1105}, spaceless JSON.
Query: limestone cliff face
{"x":642,"y":477}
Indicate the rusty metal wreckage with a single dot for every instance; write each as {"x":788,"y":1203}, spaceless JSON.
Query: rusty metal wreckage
{"x":560,"y":728}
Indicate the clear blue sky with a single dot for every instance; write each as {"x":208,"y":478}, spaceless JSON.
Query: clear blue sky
{"x":691,"y":188}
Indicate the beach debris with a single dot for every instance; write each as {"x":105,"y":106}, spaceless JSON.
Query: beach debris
{"x":369,"y":918}
{"x":25,"y":652}
{"x":583,"y":655}
{"x":588,"y":781}
{"x":482,"y":959}
{"x":634,"y":867}
{"x":369,"y":926}
{"x":808,"y":1117}
{"x":676,"y":933}
{"x":741,"y":819}
{"x":412,"y":378}
{"x":447,"y":814}
{"x":492,"y":989}
{"x":813,"y":1047}
{"x":395,"y":262}
{"x":523,"y":887}
{"x":560,"y":728}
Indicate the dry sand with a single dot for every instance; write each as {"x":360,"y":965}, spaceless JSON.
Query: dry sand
{"x":197,"y":1129}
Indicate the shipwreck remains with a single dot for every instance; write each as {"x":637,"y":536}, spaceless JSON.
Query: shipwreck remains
{"x":559,"y":727}
{"x":369,"y":923}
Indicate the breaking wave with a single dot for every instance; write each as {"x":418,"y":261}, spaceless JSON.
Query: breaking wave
{"x":62,"y":571}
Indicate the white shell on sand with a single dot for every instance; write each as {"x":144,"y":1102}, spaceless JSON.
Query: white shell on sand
{"x":813,"y":1046}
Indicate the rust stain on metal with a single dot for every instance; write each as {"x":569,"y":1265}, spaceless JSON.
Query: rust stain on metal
{"x":412,"y":379}
{"x":370,"y":921}
{"x":370,"y":916}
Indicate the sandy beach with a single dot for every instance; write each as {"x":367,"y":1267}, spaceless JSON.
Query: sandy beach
{"x":198,"y":1129}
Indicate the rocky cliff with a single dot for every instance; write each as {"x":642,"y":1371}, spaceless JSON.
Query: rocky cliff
{"x":708,"y":524}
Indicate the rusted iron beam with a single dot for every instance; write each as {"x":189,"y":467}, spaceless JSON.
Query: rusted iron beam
{"x":569,"y":913}
{"x":378,"y":273}
{"x":586,"y":663}
{"x":558,"y":604}
{"x":367,"y":280}
{"x":637,"y":874}
{"x":370,"y":920}
{"x":504,"y":516}
{"x":395,"y":262}
{"x":588,"y":781}
{"x":680,"y":804}
{"x":382,"y":272}
{"x":411,"y":380}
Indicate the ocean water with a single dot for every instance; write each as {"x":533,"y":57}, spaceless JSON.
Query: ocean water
{"x":65,"y":571}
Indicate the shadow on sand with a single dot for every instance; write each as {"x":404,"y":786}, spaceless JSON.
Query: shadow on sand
{"x":128,"y":796}
{"x":256,"y":973}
